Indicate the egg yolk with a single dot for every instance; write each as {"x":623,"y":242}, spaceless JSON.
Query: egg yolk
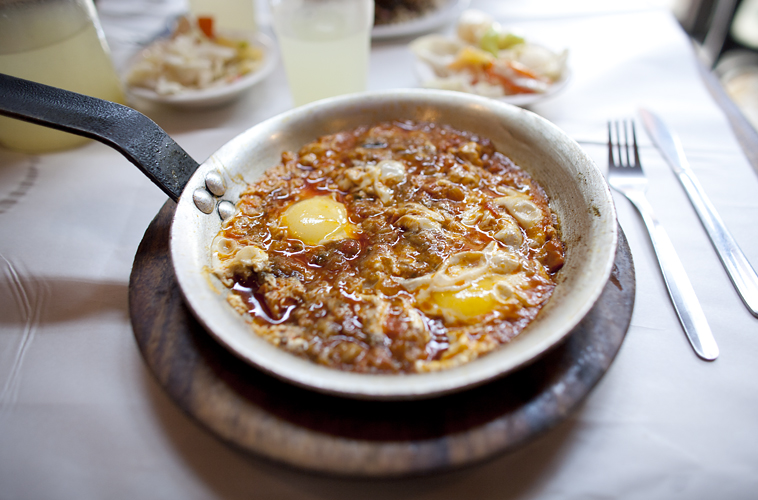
{"x":475,"y":300}
{"x":317,"y":220}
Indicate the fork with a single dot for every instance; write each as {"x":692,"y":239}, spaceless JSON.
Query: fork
{"x":625,"y":175}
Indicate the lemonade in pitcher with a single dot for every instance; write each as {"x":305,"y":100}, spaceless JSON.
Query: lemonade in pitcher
{"x":57,"y":43}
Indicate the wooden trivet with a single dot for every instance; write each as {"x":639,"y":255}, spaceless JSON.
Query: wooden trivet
{"x":267,"y":417}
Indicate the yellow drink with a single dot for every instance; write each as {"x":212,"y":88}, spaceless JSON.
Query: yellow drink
{"x":325,"y":46}
{"x":58,"y":46}
{"x":230,"y":15}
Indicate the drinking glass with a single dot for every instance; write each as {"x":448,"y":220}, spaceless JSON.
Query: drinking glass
{"x":228,"y":15}
{"x":325,"y":45}
{"x":58,"y":43}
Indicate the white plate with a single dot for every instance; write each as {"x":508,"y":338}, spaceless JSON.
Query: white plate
{"x":216,"y":95}
{"x":425,"y":73}
{"x":449,"y":11}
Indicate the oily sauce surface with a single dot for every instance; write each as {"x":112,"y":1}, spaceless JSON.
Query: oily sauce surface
{"x":399,"y":247}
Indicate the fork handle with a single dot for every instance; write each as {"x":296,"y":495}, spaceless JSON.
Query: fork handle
{"x":680,"y":289}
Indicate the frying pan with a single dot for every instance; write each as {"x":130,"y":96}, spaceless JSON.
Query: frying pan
{"x":206,"y":194}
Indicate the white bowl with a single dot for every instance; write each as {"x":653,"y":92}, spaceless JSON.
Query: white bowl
{"x":446,"y":13}
{"x":577,"y":190}
{"x":221,"y":94}
{"x":425,"y":74}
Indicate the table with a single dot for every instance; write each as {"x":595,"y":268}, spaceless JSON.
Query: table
{"x":81,"y":416}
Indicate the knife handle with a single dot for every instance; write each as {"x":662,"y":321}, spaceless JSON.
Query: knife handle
{"x":737,"y":266}
{"x":686,"y":304}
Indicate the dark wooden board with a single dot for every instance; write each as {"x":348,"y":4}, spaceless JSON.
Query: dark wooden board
{"x":270,"y":418}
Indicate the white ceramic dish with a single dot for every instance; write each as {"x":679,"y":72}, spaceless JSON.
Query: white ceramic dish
{"x":578,"y":192}
{"x":221,"y":94}
{"x":425,"y":73}
{"x":447,"y":13}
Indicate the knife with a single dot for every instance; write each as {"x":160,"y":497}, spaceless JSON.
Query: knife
{"x":738,"y":268}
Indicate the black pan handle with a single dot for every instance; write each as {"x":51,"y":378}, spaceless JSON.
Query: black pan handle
{"x":129,"y":132}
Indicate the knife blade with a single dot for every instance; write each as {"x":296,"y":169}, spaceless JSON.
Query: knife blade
{"x":738,"y":268}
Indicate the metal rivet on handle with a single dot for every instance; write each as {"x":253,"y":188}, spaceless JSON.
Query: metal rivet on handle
{"x":226,"y":209}
{"x":203,"y":200}
{"x":215,"y":183}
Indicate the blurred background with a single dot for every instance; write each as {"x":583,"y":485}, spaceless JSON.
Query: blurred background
{"x":725,"y":34}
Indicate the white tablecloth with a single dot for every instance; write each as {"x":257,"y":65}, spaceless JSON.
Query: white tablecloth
{"x":82,"y":418}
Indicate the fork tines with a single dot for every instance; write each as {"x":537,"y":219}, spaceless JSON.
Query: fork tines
{"x":625,"y":141}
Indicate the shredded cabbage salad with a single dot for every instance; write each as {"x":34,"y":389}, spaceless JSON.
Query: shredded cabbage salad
{"x":488,"y":60}
{"x":194,"y":57}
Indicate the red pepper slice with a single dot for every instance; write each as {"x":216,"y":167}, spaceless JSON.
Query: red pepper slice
{"x":206,"y":25}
